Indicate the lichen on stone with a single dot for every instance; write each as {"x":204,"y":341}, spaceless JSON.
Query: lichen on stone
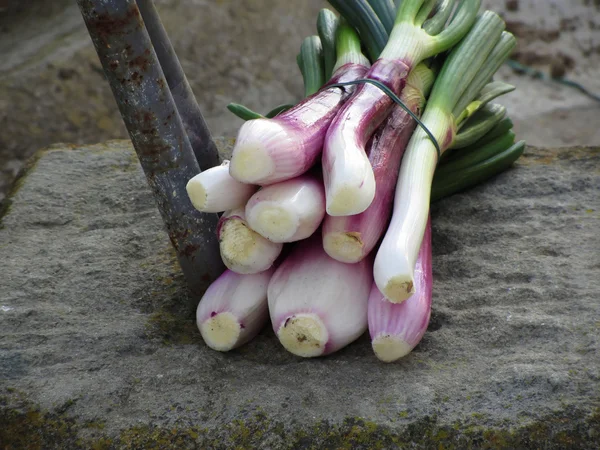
{"x":25,"y":426}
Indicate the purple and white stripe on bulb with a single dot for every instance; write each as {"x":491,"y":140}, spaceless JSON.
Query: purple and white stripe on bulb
{"x":233,"y":309}
{"x":397,"y":328}
{"x":317,"y":304}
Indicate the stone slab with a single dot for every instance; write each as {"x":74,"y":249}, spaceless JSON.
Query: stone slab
{"x":99,"y":349}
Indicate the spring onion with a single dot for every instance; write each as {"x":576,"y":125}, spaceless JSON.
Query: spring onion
{"x":317,"y":304}
{"x":351,"y":238}
{"x":233,"y":309}
{"x":349,"y":178}
{"x":215,"y":190}
{"x":375,"y":163}
{"x":271,"y":150}
{"x":395,"y":261}
{"x":243,"y":250}
{"x":288,"y":211}
{"x":397,"y":328}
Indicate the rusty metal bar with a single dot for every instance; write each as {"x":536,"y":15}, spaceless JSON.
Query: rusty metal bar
{"x":156,"y":130}
{"x":189,"y":111}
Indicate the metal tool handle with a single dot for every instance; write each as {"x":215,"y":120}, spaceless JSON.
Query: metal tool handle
{"x":156,"y":129}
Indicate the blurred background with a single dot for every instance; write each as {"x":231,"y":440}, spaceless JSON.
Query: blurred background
{"x":52,"y":88}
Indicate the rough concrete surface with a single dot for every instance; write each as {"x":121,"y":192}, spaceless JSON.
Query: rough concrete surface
{"x":52,"y":87}
{"x":99,"y":349}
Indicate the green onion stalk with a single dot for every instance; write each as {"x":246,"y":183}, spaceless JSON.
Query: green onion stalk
{"x":461,"y":83}
{"x":469,"y":165}
{"x":396,"y":328}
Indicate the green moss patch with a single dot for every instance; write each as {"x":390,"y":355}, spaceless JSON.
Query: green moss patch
{"x":27,"y":427}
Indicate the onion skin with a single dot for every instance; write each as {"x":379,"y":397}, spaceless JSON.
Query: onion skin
{"x":397,"y":328}
{"x":369,"y":106}
{"x":331,"y":296}
{"x":290,"y":143}
{"x":233,"y":309}
{"x":348,"y":176}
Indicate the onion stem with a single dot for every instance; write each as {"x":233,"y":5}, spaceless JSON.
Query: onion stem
{"x":348,"y":48}
{"x":437,"y":22}
{"x":475,"y":154}
{"x":361,"y":16}
{"x":424,"y":12}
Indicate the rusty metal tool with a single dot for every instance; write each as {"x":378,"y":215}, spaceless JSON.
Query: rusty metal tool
{"x":149,"y":108}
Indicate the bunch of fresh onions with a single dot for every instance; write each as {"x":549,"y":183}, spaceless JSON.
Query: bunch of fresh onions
{"x":325,"y":227}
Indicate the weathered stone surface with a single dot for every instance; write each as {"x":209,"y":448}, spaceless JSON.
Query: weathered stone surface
{"x":98,"y":345}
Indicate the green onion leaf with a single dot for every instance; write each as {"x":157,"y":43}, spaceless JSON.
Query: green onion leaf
{"x":425,"y":11}
{"x":460,"y":24}
{"x":488,"y":93}
{"x":408,"y":11}
{"x":458,"y":181}
{"x":278,"y":110}
{"x":474,"y":154}
{"x":503,"y":126}
{"x":386,"y":12}
{"x":437,"y":22}
{"x":360,"y":15}
{"x":496,"y":58}
{"x":327,"y":24}
{"x":300,"y":63}
{"x":243,"y":112}
{"x":465,"y":60}
{"x":493,"y":90}
{"x":311,"y":53}
{"x":347,"y":47}
{"x":481,"y":123}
